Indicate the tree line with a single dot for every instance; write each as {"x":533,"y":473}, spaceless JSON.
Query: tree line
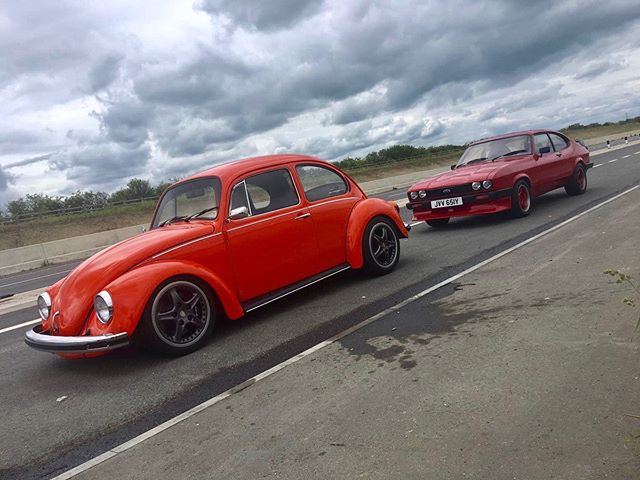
{"x":395,"y":154}
{"x":34,"y":204}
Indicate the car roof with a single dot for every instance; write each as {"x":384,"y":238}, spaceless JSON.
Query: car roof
{"x":515,"y":134}
{"x":230,"y":170}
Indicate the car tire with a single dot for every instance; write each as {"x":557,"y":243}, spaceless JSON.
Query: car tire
{"x":440,"y":222}
{"x":380,"y":246}
{"x":577,"y":184}
{"x":178,"y":318}
{"x":521,"y":199}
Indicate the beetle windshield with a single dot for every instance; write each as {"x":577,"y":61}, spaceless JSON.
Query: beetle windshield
{"x":197,"y":198}
{"x":494,"y":149}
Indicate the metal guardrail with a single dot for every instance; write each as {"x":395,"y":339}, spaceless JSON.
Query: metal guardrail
{"x":72,"y":210}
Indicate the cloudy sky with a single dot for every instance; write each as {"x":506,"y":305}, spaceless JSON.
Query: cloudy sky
{"x":94,"y":93}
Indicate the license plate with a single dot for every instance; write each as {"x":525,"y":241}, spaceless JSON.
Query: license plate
{"x":446,"y":202}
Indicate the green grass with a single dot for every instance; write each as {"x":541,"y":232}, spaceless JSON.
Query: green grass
{"x":615,"y":131}
{"x":55,"y":228}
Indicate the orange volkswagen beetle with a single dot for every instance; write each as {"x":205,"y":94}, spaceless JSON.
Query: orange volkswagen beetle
{"x":222,"y":242}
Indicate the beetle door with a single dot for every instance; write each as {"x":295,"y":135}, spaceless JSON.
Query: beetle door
{"x":330,"y":205}
{"x":273,"y":245}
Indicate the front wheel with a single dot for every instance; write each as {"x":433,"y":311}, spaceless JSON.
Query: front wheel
{"x":577,"y":184}
{"x":380,"y":247}
{"x":521,"y":199}
{"x":178,"y":318}
{"x":440,"y":222}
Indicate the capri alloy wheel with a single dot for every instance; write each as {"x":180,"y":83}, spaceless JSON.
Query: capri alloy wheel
{"x":181,"y":314}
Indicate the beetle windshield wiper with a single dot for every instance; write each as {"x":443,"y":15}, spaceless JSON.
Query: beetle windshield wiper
{"x":201,"y":212}
{"x":173,"y":219}
{"x":515,"y":152}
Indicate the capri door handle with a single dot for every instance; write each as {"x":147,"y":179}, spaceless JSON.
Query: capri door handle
{"x":302,"y":216}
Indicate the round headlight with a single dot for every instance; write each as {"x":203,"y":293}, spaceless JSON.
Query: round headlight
{"x":422,"y":194}
{"x":103,"y":305}
{"x":44,"y":305}
{"x":476,"y":185}
{"x":413,"y":195}
{"x":487,"y":184}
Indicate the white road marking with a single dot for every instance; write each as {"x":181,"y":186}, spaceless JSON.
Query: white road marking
{"x":614,"y":160}
{"x":626,"y":156}
{"x":267,"y":373}
{"x":20,"y":325}
{"x":34,"y":278}
{"x":597,"y":165}
{"x":636,"y":153}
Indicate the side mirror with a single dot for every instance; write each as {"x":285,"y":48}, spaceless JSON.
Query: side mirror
{"x":544,"y":150}
{"x":453,"y":167}
{"x":238,"y":213}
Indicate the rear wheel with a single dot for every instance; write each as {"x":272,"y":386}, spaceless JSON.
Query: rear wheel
{"x":380,"y":247}
{"x":521,"y":199}
{"x":577,"y":184}
{"x":178,"y":318}
{"x":440,"y":222}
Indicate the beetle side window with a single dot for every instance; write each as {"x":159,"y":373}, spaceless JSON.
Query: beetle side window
{"x":558,"y":142}
{"x":271,"y":191}
{"x":320,"y":182}
{"x":543,"y":144}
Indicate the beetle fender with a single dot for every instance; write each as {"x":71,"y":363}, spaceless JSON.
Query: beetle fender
{"x":131,"y":292}
{"x":360,"y":216}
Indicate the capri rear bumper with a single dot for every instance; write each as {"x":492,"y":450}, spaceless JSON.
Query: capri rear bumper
{"x":43,"y":340}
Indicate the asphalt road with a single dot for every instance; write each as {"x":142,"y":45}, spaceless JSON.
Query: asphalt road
{"x":111,"y":399}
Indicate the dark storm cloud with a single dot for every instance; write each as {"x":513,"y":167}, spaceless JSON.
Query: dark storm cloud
{"x":361,"y":64}
{"x":263,"y":15}
{"x":29,"y":161}
{"x":104,"y":72}
{"x":595,"y":69}
{"x":5,"y":179}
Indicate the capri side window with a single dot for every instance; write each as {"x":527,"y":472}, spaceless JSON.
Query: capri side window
{"x":558,"y":142}
{"x":320,"y":183}
{"x":543,"y":144}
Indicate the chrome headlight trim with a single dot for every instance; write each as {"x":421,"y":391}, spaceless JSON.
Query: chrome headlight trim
{"x":487,"y":184}
{"x":103,"y":306}
{"x":413,"y":195}
{"x":422,"y":194}
{"x":476,"y":185}
{"x":44,"y":305}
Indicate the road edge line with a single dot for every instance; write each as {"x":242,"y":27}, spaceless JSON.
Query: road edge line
{"x":276,"y":368}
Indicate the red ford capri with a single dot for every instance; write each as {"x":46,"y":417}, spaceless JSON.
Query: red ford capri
{"x":222,"y":243}
{"x":502,"y":173}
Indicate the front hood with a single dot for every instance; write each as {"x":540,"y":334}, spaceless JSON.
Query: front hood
{"x":459,"y":176}
{"x":74,"y":297}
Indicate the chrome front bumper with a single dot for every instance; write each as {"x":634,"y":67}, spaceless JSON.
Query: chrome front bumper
{"x":41,"y":340}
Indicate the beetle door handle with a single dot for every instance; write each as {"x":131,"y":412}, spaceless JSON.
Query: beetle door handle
{"x":303,"y":215}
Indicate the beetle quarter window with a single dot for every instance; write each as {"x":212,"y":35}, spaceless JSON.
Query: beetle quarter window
{"x":320,"y":182}
{"x":239,"y":197}
{"x":558,"y":142}
{"x":543,"y":143}
{"x":271,"y":191}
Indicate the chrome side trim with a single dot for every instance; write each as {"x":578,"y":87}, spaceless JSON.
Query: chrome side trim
{"x":190,"y":242}
{"x":297,"y":289}
{"x":41,"y":340}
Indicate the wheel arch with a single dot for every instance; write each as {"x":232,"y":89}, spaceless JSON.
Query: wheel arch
{"x":360,"y":217}
{"x":131,"y":292}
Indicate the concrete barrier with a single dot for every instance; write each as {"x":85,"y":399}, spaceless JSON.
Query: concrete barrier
{"x":58,"y":251}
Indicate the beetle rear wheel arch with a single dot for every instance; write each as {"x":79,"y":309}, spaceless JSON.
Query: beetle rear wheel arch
{"x":380,"y":246}
{"x":179,"y":316}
